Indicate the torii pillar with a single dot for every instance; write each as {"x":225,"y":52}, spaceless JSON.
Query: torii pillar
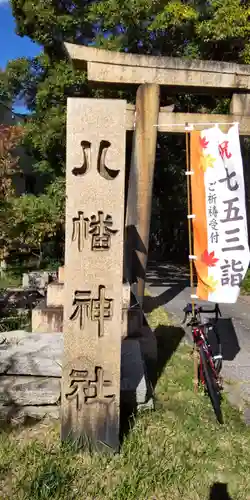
{"x":139,"y":200}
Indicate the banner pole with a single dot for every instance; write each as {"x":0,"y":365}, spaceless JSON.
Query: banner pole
{"x":189,"y":204}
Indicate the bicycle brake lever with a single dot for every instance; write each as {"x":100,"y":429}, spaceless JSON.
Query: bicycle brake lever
{"x":219,"y":311}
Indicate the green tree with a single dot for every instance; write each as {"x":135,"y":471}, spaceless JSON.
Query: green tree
{"x":218,"y":29}
{"x":10,"y":137}
{"x":212,"y":30}
{"x":43,"y":84}
{"x":37,"y":220}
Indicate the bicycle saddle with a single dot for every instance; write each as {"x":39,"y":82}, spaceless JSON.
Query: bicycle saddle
{"x":188,"y":308}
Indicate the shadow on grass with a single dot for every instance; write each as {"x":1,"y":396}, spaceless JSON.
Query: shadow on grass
{"x":157,"y":347}
{"x":219,"y":492}
{"x":168,"y":339}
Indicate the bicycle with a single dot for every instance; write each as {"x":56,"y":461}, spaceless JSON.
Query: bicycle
{"x":210,"y":364}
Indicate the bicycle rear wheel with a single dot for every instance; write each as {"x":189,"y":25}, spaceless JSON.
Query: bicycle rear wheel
{"x":211,"y":385}
{"x":214,"y":340}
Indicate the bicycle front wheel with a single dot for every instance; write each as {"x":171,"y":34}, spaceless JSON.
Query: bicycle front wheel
{"x":211,"y":385}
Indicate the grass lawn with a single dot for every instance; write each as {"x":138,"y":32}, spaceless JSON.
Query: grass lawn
{"x":175,"y":453}
{"x":9,"y":280}
{"x":245,"y":287}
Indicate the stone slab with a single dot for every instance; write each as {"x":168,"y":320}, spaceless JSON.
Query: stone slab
{"x":12,"y":337}
{"x":26,"y":362}
{"x":28,"y":358}
{"x":18,"y":414}
{"x":55,"y":294}
{"x":47,"y":319}
{"x":21,"y":338}
{"x":29,"y":391}
{"x":32,"y":354}
{"x":95,"y":173}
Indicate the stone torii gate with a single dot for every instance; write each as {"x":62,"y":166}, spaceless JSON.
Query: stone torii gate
{"x":95,"y":280}
{"x":149,"y":73}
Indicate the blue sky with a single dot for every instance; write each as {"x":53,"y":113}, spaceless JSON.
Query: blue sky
{"x":11,"y":45}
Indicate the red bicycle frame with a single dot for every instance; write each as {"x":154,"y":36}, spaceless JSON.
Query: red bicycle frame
{"x":200,"y":340}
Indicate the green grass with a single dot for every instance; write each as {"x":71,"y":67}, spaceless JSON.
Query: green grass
{"x":16,"y":322}
{"x":245,"y":287}
{"x":9,"y":280}
{"x":174,"y":453}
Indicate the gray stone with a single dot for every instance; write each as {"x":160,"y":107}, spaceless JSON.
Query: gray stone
{"x":141,"y":186}
{"x":32,"y":354}
{"x":47,"y":318}
{"x":29,"y":391}
{"x":31,"y":366}
{"x":15,"y":414}
{"x":134,"y":380}
{"x":36,"y":279}
{"x":95,"y":175}
{"x":117,"y":67}
{"x":167,"y":122}
{"x":240,"y":104}
{"x":55,"y":294}
{"x":12,"y":337}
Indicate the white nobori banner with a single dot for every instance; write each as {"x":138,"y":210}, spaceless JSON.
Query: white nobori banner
{"x":220,"y":224}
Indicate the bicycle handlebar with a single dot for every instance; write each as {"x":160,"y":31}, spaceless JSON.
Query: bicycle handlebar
{"x":199,"y":310}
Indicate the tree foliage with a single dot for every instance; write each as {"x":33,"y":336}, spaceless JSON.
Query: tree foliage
{"x":36,"y":220}
{"x":215,"y":29}
{"x":9,"y":139}
{"x":218,"y":29}
{"x":10,"y":136}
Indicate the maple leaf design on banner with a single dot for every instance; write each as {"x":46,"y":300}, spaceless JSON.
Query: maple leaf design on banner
{"x":211,"y":284}
{"x":209,"y":258}
{"x":203,"y":142}
{"x":206,"y":162}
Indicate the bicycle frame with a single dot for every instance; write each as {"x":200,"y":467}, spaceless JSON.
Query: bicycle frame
{"x":209,"y":369}
{"x":200,"y":339}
